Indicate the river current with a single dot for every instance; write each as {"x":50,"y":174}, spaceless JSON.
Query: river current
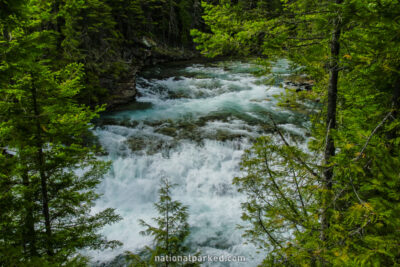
{"x":191,"y":124}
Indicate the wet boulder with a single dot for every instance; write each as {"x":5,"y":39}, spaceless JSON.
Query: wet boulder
{"x":298,"y":83}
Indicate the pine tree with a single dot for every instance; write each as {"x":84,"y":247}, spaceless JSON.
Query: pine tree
{"x":333,"y":210}
{"x":292,"y":31}
{"x":52,"y":174}
{"x":171,"y":229}
{"x":90,"y":38}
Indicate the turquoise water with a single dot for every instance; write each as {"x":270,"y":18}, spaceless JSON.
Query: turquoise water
{"x":191,"y":124}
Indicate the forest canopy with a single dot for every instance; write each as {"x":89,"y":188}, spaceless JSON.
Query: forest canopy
{"x":335,"y":204}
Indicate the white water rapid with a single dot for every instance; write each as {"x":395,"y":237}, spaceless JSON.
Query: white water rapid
{"x":191,"y":124}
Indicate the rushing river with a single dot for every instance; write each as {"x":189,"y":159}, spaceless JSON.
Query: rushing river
{"x":190,"y":124}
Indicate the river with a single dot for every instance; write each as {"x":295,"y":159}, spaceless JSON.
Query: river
{"x":191,"y":124}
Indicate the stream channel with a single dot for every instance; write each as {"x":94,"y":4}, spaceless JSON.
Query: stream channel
{"x":191,"y":124}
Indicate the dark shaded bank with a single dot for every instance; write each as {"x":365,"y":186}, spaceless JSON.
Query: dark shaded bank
{"x":146,"y":52}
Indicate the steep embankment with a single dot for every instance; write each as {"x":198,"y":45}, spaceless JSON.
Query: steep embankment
{"x":145,"y":52}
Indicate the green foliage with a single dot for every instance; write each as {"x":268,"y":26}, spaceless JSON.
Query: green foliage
{"x":234,"y":29}
{"x":54,"y":57}
{"x":170,"y":231}
{"x":90,"y":37}
{"x":50,"y":172}
{"x":106,"y":36}
{"x":361,"y":206}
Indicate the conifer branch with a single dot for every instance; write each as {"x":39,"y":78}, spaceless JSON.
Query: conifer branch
{"x":371,"y":135}
{"x":299,"y":193}
{"x":308,"y":168}
{"x":266,"y":230}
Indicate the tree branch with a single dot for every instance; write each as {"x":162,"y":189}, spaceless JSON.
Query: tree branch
{"x":372,"y":134}
{"x":297,"y":157}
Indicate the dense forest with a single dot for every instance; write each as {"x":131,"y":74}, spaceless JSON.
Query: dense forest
{"x":340,"y":202}
{"x":334,"y":204}
{"x":60,"y":61}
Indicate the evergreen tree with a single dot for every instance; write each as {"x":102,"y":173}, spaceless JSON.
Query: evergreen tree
{"x":170,"y":231}
{"x":90,"y":37}
{"x":337,"y":206}
{"x":51,"y":173}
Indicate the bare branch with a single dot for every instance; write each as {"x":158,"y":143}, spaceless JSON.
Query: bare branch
{"x":372,"y":134}
{"x":294,"y":154}
{"x":266,"y":230}
{"x":299,"y":193}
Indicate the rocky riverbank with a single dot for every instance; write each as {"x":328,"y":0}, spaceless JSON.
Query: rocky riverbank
{"x":145,"y":52}
{"x":298,"y":83}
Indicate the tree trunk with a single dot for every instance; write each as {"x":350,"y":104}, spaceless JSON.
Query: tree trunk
{"x":396,"y":95}
{"x":167,"y":232}
{"x":330,"y":124}
{"x":29,"y":235}
{"x":42,"y":172}
{"x":392,"y":134}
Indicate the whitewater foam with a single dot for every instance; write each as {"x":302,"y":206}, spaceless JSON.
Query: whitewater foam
{"x":234,"y":104}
